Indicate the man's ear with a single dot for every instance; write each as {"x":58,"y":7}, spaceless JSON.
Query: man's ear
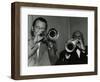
{"x":32,"y":28}
{"x":32,"y":31}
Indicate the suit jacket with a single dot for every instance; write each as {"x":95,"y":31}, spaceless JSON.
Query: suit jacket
{"x":47,"y":56}
{"x":74,"y":59}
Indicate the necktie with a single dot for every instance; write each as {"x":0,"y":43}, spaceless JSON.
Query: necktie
{"x":37,"y":55}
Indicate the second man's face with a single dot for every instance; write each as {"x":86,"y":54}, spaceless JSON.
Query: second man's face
{"x":39,"y":27}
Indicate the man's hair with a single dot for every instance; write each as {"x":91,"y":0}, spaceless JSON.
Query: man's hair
{"x":33,"y":25}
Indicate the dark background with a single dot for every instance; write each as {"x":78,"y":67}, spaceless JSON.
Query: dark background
{"x":65,"y":25}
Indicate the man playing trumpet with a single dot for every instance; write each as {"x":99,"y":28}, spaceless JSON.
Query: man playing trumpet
{"x":41,"y":51}
{"x":75,"y":51}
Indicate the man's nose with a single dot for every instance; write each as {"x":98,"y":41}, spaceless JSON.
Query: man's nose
{"x":41,"y":30}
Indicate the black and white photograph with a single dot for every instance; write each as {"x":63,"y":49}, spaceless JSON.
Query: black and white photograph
{"x":57,"y":40}
{"x":50,"y":40}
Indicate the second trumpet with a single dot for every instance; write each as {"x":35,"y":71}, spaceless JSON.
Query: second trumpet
{"x":71,"y":45}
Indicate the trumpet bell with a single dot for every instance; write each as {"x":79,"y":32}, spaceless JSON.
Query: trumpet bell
{"x":71,"y":45}
{"x":53,"y":34}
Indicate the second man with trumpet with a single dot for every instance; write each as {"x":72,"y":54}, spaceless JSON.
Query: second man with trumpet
{"x":75,"y":51}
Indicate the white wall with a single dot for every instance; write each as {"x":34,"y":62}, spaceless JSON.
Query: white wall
{"x":5,"y":40}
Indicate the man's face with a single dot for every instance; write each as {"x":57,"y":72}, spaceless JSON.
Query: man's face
{"x":78,"y":37}
{"x":39,"y":27}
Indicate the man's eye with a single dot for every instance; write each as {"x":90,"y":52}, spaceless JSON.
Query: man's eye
{"x":37,"y":27}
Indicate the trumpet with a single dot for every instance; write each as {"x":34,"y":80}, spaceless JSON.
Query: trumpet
{"x":71,"y":45}
{"x":52,"y":34}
